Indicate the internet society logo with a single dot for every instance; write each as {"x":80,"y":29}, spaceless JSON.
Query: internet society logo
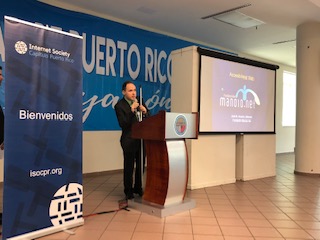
{"x":21,"y":47}
{"x":180,"y":125}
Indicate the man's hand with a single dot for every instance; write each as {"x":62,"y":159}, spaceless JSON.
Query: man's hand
{"x":143,"y":109}
{"x":134,"y":105}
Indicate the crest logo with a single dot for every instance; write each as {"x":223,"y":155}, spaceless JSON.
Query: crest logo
{"x":21,"y":47}
{"x":180,"y":125}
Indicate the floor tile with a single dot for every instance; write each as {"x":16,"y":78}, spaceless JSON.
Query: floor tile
{"x":265,"y":232}
{"x":235,"y":231}
{"x":294,"y":233}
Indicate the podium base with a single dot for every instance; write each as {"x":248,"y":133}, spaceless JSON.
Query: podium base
{"x":161,"y":211}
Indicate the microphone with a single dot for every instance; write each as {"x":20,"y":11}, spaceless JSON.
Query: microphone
{"x":137,"y":109}
{"x":137,"y":112}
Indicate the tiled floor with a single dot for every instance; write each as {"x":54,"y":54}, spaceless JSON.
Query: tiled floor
{"x":283,"y":207}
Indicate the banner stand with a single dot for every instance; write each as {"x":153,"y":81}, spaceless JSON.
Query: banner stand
{"x":48,"y":231}
{"x":43,"y":192}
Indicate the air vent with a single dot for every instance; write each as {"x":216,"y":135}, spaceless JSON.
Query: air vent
{"x":285,"y":41}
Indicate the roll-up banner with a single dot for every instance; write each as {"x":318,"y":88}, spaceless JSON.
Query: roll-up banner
{"x":43,"y":131}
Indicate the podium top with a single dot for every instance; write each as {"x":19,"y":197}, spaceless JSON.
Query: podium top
{"x":167,"y":125}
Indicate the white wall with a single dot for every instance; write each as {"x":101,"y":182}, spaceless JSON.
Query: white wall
{"x":285,"y":136}
{"x":101,"y":151}
{"x":255,"y":156}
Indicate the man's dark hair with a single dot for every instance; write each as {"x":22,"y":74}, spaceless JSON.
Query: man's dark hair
{"x":124,"y":85}
{"x":0,"y":67}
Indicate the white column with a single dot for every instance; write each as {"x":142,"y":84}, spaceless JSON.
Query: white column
{"x":307,"y":150}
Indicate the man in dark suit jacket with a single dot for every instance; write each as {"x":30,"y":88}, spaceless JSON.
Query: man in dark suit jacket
{"x":126,"y":111}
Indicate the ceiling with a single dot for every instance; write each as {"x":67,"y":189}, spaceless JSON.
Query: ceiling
{"x":273,"y":41}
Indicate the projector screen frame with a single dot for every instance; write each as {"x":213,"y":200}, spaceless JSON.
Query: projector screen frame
{"x":236,"y":59}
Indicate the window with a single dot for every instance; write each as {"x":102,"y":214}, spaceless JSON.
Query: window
{"x":289,"y":99}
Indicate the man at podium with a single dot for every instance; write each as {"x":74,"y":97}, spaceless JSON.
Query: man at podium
{"x":130,"y":110}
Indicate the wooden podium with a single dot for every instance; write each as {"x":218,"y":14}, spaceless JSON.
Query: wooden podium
{"x":164,"y":136}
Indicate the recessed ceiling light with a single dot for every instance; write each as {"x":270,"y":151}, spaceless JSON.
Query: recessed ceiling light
{"x":238,"y":19}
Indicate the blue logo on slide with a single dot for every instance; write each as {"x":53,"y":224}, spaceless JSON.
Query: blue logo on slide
{"x":245,"y":91}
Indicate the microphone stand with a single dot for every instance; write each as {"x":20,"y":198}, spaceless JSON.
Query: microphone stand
{"x":141,"y":140}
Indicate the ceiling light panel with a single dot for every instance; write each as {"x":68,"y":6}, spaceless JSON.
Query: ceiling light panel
{"x":238,"y":19}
